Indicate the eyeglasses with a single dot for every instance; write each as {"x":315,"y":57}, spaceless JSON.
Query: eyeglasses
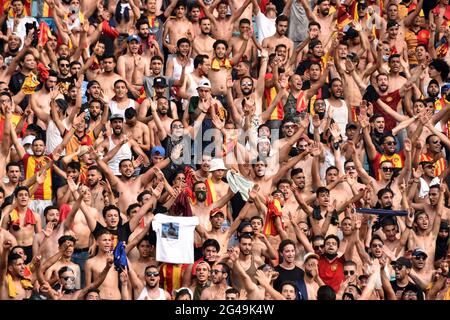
{"x":288,"y":126}
{"x":152,"y":274}
{"x":215,"y":271}
{"x":319,"y":247}
{"x":63,"y":65}
{"x":390,"y":143}
{"x":386,"y":169}
{"x":350,"y":168}
{"x":68,"y":278}
{"x":178,"y":127}
{"x":421,"y":257}
{"x":247,"y":84}
{"x":349,"y":272}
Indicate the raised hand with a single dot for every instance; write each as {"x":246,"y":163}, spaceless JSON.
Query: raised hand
{"x":417,"y":173}
{"x":316,"y":121}
{"x":253,"y":193}
{"x":158,"y":190}
{"x":138,"y":161}
{"x":72,"y":186}
{"x":158,"y":173}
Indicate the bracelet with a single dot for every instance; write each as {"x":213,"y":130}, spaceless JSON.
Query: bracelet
{"x":205,"y":112}
{"x":416,"y":181}
{"x":409,"y":227}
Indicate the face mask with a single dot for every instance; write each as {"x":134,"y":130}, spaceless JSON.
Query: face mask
{"x":200,"y":195}
{"x":321,"y":115}
{"x":29,"y":151}
{"x":70,"y":285}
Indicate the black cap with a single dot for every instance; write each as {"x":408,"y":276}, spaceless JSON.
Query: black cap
{"x":444,"y":225}
{"x":433,"y":81}
{"x":402,"y":261}
{"x":392,"y":23}
{"x":160,"y":82}
{"x":351,"y":125}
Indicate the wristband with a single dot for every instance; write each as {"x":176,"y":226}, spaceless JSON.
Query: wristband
{"x":409,"y":227}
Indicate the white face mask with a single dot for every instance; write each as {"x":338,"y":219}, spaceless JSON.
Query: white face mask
{"x":70,"y":284}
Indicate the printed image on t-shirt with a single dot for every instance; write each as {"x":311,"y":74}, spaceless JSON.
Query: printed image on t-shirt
{"x":170,"y":230}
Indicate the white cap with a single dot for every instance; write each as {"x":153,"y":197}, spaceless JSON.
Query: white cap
{"x":204,"y":83}
{"x":217,"y":164}
{"x":28,"y":140}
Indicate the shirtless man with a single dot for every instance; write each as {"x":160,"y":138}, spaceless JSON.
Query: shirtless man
{"x":146,"y":257}
{"x":203,"y":173}
{"x":223,"y":24}
{"x":45,"y":242}
{"x":149,"y":288}
{"x":96,"y":186}
{"x":14,"y":267}
{"x":64,"y":260}
{"x":250,"y":54}
{"x":322,"y":16}
{"x":22,"y":222}
{"x":108,"y":77}
{"x":41,"y":99}
{"x":161,"y":90}
{"x":13,"y":173}
{"x":63,"y":194}
{"x":431,"y":207}
{"x":221,"y":66}
{"x":397,"y":43}
{"x":127,"y":185}
{"x":201,"y":209}
{"x":280,"y":38}
{"x":424,"y":234}
{"x":109,"y":290}
{"x":162,"y":108}
{"x":217,"y":218}
{"x":261,"y":247}
{"x":203,"y":43}
{"x":132,"y":64}
{"x":219,"y":274}
{"x":216,"y":185}
{"x":177,"y":28}
{"x":136,"y":130}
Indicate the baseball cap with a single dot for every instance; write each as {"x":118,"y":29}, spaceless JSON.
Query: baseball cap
{"x":204,"y":83}
{"x":217,"y":164}
{"x":215,"y":211}
{"x":134,"y":37}
{"x":263,"y":139}
{"x":402,"y":261}
{"x":83,"y":150}
{"x":444,"y":226}
{"x":392,"y":23}
{"x":419,"y":251}
{"x":116,"y":116}
{"x":28,"y":140}
{"x":310,"y":255}
{"x":160,"y":82}
{"x":158,"y":149}
{"x":351,"y":125}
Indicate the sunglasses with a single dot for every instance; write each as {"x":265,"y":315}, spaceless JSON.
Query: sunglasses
{"x":349,"y":272}
{"x":152,"y":274}
{"x":248,"y":84}
{"x":68,"y":278}
{"x":63,"y":65}
{"x":249,"y":233}
{"x":319,"y":247}
{"x":436,"y":142}
{"x":386,"y":169}
{"x":397,"y":267}
{"x":216,"y":271}
{"x":350,"y":168}
{"x":288,"y":126}
{"x":178,"y":127}
{"x":390,"y":143}
{"x":421,"y":257}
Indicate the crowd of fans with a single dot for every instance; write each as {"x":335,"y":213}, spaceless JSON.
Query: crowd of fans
{"x":224,"y":150}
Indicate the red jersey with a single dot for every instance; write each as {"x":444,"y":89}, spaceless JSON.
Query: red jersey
{"x":332,"y":272}
{"x":391,"y":99}
{"x":397,"y":160}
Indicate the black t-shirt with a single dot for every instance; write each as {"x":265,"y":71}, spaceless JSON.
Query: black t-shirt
{"x":15,"y":84}
{"x":122,"y":233}
{"x":295,"y":275}
{"x":399,"y":290}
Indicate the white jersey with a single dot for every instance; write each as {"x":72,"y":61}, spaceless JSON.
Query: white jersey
{"x":114,"y":108}
{"x":123,"y":153}
{"x":340,"y":115}
{"x":144,"y":295}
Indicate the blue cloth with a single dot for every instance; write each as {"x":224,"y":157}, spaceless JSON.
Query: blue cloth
{"x":382,"y":212}
{"x":120,"y":257}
